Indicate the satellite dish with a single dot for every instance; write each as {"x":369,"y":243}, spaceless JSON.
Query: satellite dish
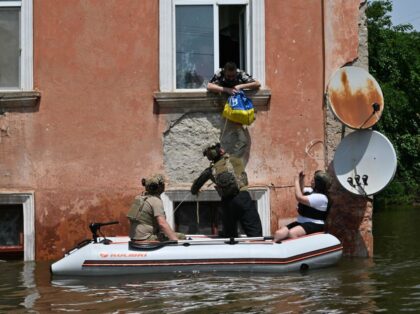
{"x":365,"y":162}
{"x":355,"y":97}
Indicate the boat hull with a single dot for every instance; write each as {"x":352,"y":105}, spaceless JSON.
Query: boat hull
{"x":117,"y":258}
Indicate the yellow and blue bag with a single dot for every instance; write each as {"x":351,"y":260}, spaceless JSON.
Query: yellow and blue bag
{"x":239,"y":109}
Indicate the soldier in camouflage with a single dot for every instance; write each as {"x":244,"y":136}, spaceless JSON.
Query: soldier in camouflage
{"x":228,"y":174}
{"x":147,"y":216}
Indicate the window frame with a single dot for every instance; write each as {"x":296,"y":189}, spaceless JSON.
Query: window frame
{"x":27,"y":199}
{"x":260,"y":195}
{"x":255,"y":46}
{"x":26,"y":44}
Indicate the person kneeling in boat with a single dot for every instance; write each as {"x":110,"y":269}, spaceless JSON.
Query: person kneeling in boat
{"x":228,"y":174}
{"x":313,"y":206}
{"x":147,"y":216}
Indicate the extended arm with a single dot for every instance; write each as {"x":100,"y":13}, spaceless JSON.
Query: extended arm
{"x":165,"y":228}
{"x":300,"y":197}
{"x":199,"y":182}
{"x":211,"y":87}
{"x":250,"y":85}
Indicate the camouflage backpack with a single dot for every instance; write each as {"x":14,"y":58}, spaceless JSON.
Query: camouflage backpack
{"x":227,"y":183}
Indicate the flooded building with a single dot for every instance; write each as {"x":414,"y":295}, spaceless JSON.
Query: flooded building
{"x":95,"y":95}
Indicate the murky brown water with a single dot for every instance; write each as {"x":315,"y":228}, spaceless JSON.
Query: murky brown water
{"x":390,"y":282}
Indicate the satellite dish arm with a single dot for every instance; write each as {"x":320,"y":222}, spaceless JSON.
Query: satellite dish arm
{"x":375,"y":107}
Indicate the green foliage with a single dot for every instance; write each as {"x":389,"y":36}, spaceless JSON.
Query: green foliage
{"x":394,"y":60}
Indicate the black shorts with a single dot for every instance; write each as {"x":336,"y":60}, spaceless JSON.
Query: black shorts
{"x":309,"y":227}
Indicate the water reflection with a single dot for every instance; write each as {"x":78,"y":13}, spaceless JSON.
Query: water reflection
{"x":28,"y":281}
{"x":340,"y":289}
{"x":388,"y":282}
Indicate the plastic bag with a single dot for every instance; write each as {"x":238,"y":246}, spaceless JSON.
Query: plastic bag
{"x":239,"y":108}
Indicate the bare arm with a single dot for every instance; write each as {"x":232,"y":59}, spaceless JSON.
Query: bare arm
{"x":250,"y":85}
{"x":165,"y":228}
{"x":303,"y":199}
{"x":211,"y":87}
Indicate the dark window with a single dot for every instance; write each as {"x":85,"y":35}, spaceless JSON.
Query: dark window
{"x":202,"y":219}
{"x":11,"y":231}
{"x":11,"y":224}
{"x":232,"y":35}
{"x":206,"y":218}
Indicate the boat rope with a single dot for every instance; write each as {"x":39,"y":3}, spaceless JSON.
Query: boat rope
{"x":186,"y":195}
{"x":198,"y":213}
{"x":223,"y":131}
{"x":272,"y":186}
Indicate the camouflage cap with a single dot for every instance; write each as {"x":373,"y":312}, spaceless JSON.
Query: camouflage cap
{"x":155,"y":179}
{"x":212,"y":152}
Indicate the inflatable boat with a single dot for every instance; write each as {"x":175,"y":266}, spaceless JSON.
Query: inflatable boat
{"x":102,"y":256}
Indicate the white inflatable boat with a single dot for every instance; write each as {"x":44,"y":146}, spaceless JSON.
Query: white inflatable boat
{"x":119,"y":256}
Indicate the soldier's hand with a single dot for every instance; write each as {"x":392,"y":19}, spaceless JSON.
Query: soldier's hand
{"x":194,"y":191}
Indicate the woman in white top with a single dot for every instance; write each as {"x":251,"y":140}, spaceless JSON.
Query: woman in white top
{"x":313,"y":205}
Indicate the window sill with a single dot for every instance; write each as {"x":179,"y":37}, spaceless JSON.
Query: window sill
{"x":203,"y":101}
{"x":10,"y":101}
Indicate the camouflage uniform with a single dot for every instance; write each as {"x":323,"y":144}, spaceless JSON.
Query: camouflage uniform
{"x":144,"y":212}
{"x":237,"y":206}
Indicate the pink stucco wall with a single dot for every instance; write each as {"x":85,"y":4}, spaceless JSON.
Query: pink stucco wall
{"x":96,"y":66}
{"x":95,"y":133}
{"x":294,"y":71}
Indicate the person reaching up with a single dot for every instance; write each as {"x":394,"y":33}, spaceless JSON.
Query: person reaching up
{"x":313,"y":206}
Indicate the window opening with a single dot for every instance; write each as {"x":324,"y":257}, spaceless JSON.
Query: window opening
{"x":23,"y":202}
{"x":204,"y":219}
{"x":11,"y":231}
{"x":194,"y":45}
{"x":232,"y":37}
{"x":10,"y":46}
{"x":194,"y":24}
{"x":172,"y":198}
{"x":16,"y":45}
{"x":208,"y":221}
{"x":206,"y":37}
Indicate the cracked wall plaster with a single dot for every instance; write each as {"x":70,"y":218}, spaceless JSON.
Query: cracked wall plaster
{"x":186,"y":137}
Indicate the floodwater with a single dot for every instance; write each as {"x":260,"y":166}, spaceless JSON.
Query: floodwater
{"x":389,"y":282}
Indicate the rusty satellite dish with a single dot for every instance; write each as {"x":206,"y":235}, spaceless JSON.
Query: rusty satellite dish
{"x":365,"y":162}
{"x":355,"y":97}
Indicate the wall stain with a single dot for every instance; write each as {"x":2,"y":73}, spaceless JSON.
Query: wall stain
{"x":73,"y":225}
